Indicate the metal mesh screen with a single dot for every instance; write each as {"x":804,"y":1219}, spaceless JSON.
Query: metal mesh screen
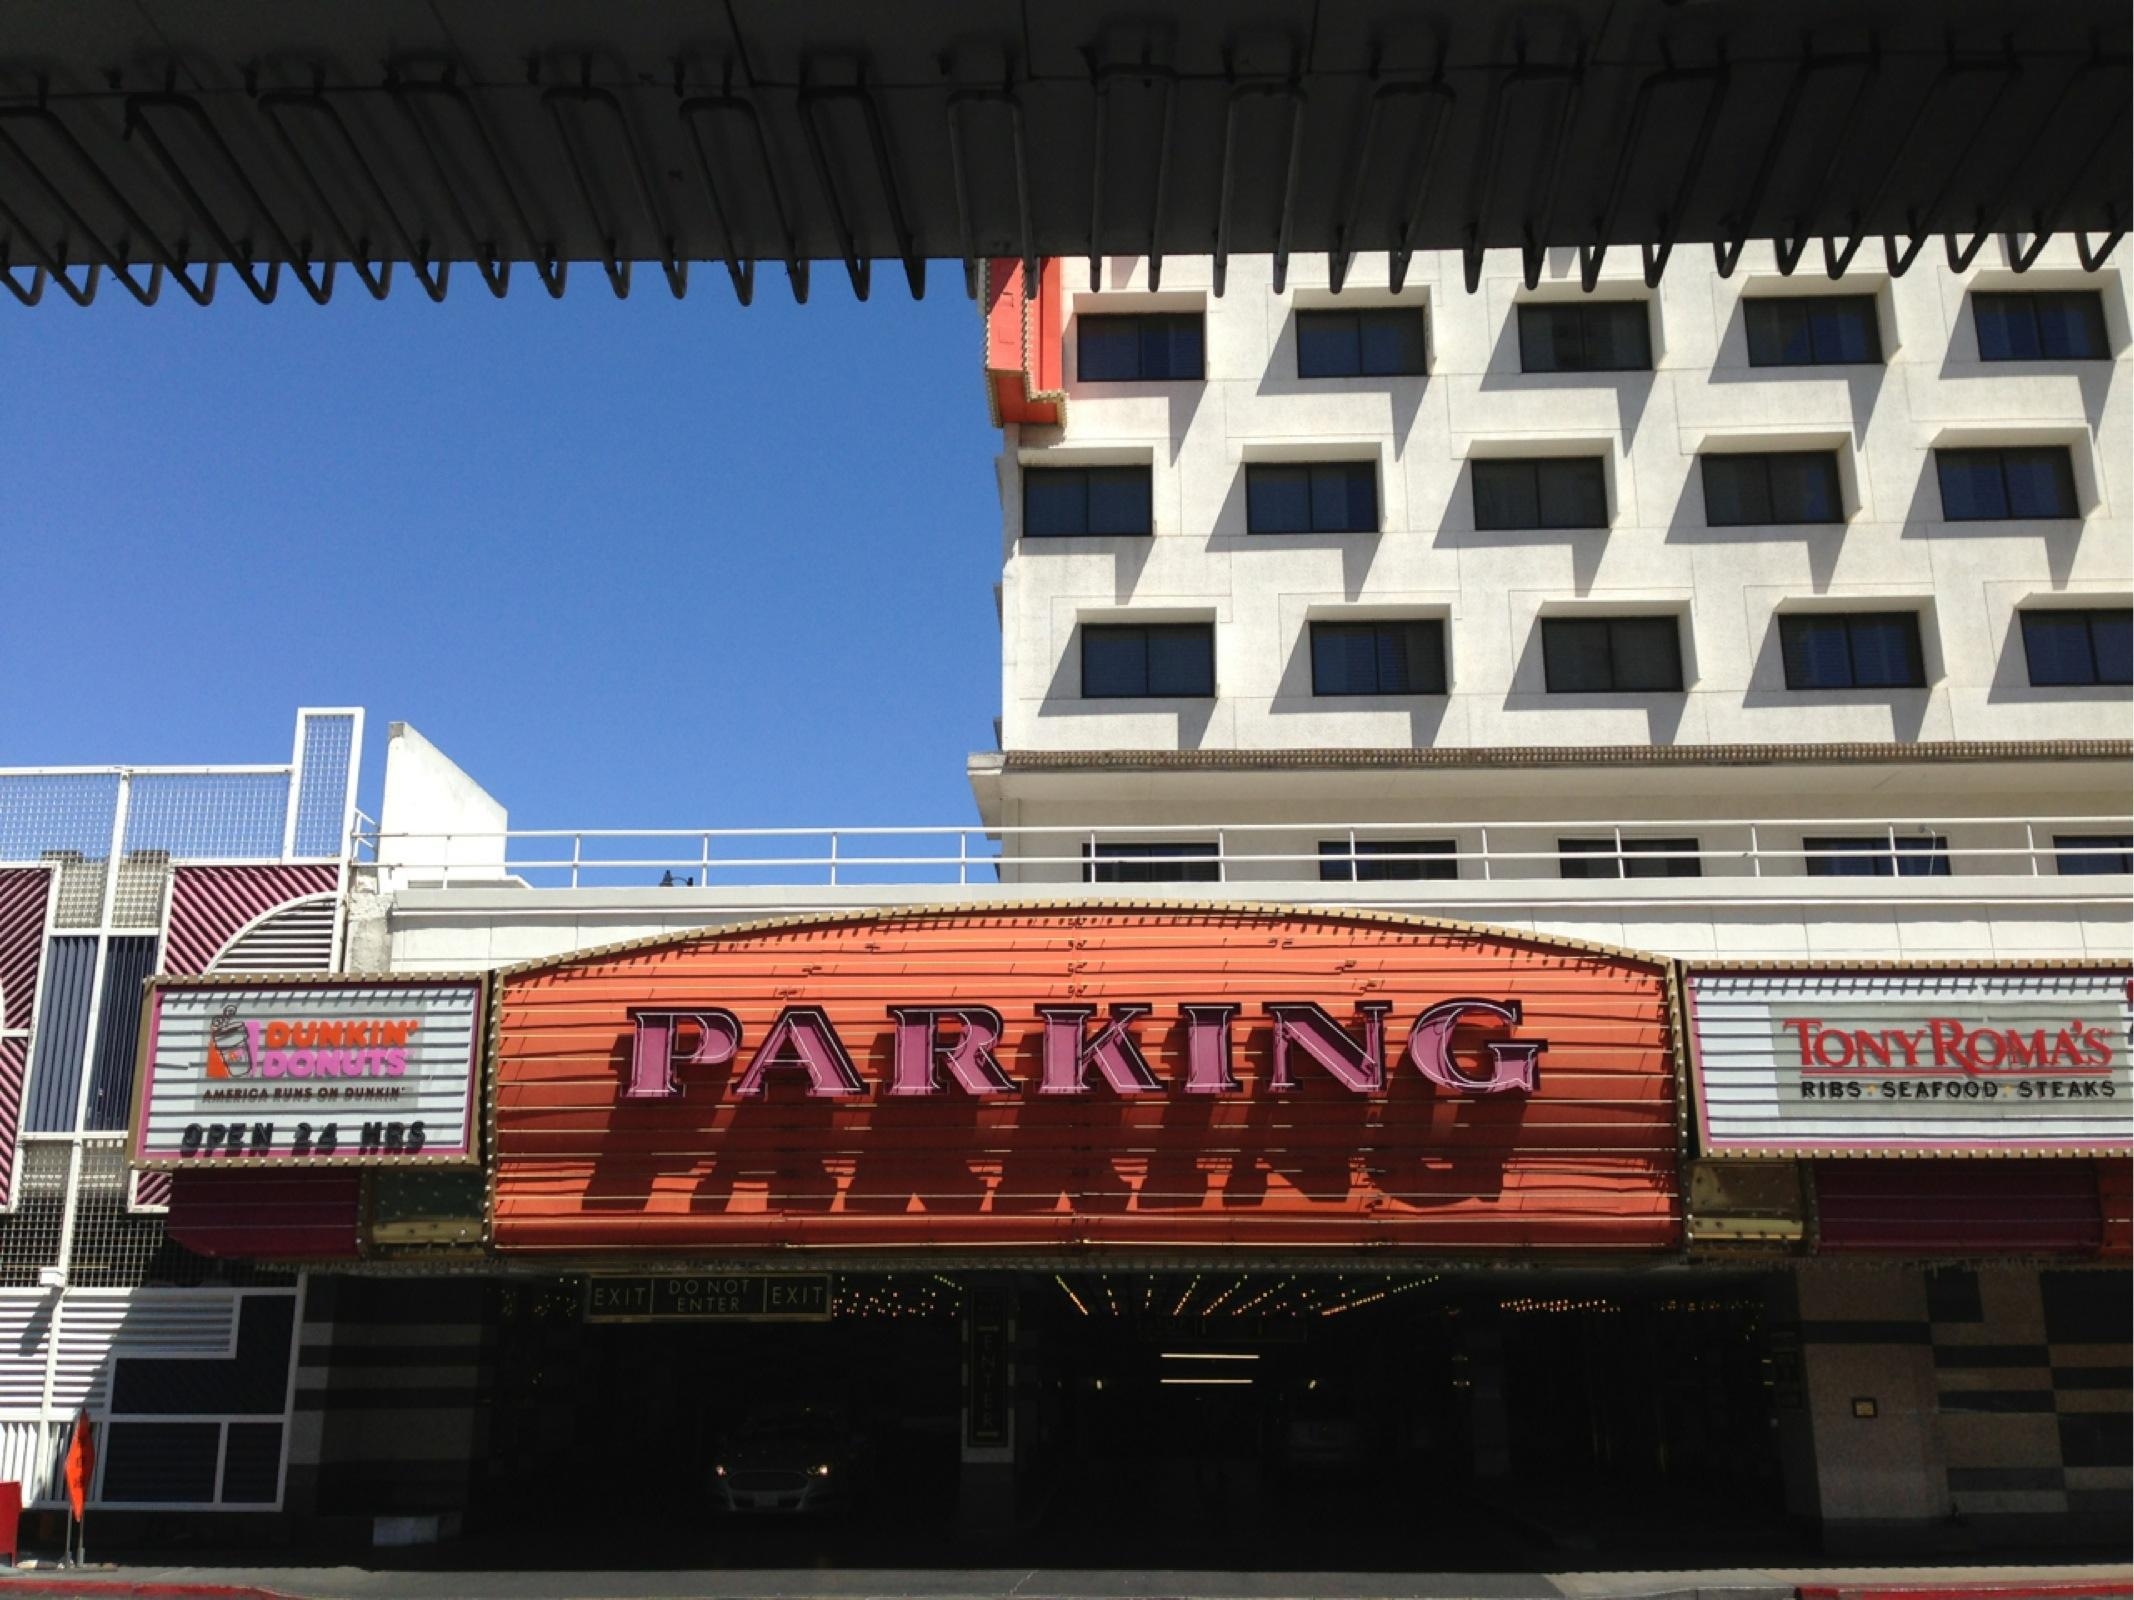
{"x":137,"y":898}
{"x":80,"y":903}
{"x":112,"y":1248}
{"x":213,"y":816}
{"x":65,"y":819}
{"x":46,"y":811}
{"x":29,"y":1235}
{"x":329,"y":750}
{"x":171,"y":1265}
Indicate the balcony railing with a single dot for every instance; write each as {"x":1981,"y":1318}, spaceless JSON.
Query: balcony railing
{"x":2090,"y":851}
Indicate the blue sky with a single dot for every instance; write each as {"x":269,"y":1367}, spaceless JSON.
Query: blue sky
{"x":637,"y":563}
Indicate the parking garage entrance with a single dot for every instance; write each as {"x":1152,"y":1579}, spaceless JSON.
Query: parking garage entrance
{"x":1257,"y":1108}
{"x":1262,"y":1418}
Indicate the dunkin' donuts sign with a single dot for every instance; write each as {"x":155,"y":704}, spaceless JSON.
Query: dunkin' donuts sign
{"x":1055,"y":1075}
{"x":308,"y":1072}
{"x":1927,"y":1059}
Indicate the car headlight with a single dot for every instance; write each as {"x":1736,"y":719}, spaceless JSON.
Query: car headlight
{"x":721,"y":1471}
{"x":822,"y":1471}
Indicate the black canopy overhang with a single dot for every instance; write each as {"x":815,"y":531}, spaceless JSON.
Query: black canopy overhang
{"x":156,"y":143}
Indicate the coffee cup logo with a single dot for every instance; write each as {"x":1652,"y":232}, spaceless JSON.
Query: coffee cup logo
{"x":229,"y":1046}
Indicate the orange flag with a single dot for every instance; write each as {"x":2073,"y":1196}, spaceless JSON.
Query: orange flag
{"x":81,"y":1463}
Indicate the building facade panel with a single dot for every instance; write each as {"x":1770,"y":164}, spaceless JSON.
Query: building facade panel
{"x":212,"y":906}
{"x":108,"y":876}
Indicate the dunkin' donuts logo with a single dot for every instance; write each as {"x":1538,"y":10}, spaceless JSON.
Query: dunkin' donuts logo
{"x":274,"y":1048}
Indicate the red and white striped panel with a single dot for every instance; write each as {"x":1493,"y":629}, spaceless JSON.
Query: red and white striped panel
{"x":209,"y":906}
{"x":23,"y":894}
{"x":14,"y":1058}
{"x":151,"y":1191}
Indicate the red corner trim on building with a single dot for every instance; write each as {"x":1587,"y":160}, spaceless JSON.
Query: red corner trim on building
{"x":1024,"y":352}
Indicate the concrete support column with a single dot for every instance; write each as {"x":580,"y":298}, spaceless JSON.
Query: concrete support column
{"x":389,"y":1421}
{"x":1789,"y":1397}
{"x":305,"y":1447}
{"x":1964,"y":1407}
{"x":1867,"y":1371}
{"x":985,"y":1497}
{"x":1489,"y":1429}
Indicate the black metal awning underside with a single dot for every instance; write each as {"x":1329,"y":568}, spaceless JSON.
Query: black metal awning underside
{"x":179,"y":144}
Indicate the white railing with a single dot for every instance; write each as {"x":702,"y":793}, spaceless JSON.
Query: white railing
{"x":1238,"y":852}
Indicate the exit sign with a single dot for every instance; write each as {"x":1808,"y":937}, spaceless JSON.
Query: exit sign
{"x":710,"y":1297}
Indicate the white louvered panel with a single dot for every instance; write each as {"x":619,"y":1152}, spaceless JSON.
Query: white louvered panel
{"x":159,"y":1322}
{"x":30,"y":1456}
{"x":95,"y":1328}
{"x":82,"y":1377}
{"x":87,"y":1331}
{"x":25,"y":1325}
{"x":296,"y":938}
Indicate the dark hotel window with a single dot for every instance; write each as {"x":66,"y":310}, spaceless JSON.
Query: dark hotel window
{"x":1386,"y":860}
{"x":1544,"y":492}
{"x":1386,"y":657}
{"x":1063,"y":501}
{"x":1640,"y":858}
{"x":2070,"y":648}
{"x":1611,"y":655}
{"x":1146,"y":661}
{"x":2007,"y":484}
{"x":2060,"y":325}
{"x":1143,"y":348}
{"x":1852,"y":650}
{"x":1176,"y":861}
{"x":1585,"y":336}
{"x":2082,"y":854}
{"x":1771,"y":488}
{"x":1319,"y":497}
{"x":1812,"y":331}
{"x":1872,"y":856}
{"x":1382,"y":342}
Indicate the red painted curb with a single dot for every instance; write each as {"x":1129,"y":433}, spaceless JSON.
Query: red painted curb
{"x":2103,"y":1590}
{"x":58,"y":1584}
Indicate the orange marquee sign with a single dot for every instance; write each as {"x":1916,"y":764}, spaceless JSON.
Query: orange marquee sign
{"x":1059,"y":1077}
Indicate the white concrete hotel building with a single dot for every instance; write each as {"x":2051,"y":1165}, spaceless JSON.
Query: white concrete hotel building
{"x":1509,"y":732}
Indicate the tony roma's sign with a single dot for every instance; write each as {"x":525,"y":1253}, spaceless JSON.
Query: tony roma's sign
{"x":308,"y":1072}
{"x":710,"y":1297}
{"x":1962,"y":1061}
{"x":1051,"y":1075}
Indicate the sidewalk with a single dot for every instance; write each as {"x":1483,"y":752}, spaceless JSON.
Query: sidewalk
{"x":148,"y":1582}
